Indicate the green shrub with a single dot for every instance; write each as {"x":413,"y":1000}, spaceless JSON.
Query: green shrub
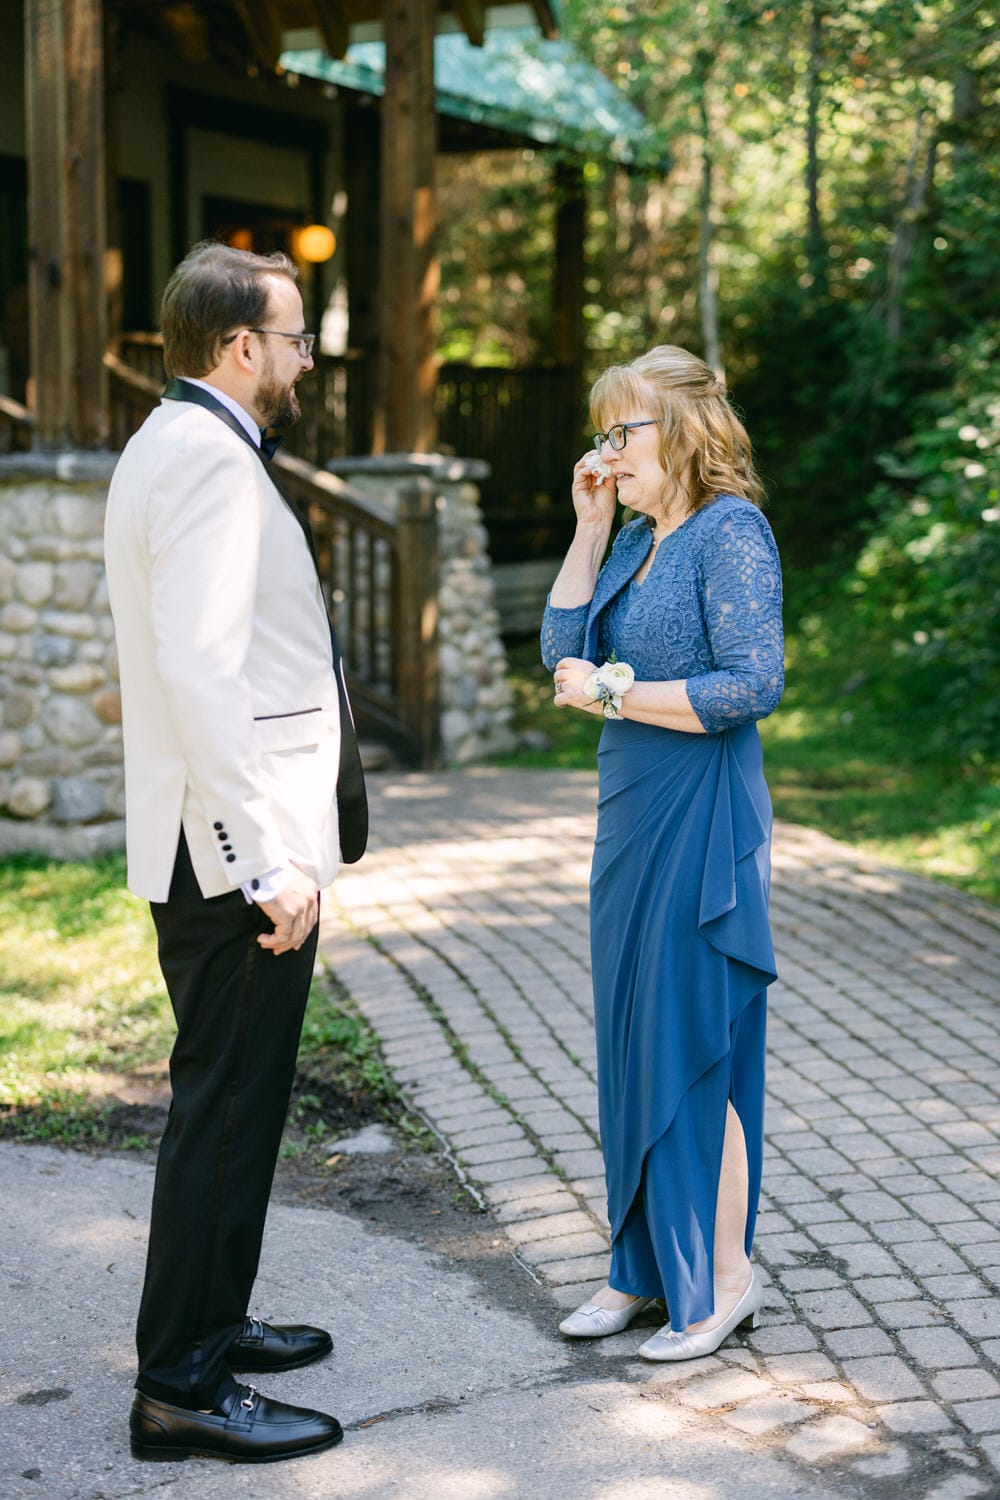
{"x":928,"y":579}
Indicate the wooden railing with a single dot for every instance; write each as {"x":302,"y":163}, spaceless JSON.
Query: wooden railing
{"x":132,"y":395}
{"x":379,"y":572}
{"x":17,"y":426}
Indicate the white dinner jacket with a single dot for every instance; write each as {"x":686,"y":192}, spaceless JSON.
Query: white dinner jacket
{"x":229,"y":701}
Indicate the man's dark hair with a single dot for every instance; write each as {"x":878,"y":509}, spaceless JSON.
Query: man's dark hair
{"x":214,"y":291}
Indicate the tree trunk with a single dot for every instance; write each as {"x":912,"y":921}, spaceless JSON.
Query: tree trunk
{"x":815,"y":239}
{"x":918,"y":185}
{"x":708,"y":276}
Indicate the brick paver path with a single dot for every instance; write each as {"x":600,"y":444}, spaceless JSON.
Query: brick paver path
{"x":462,"y":937}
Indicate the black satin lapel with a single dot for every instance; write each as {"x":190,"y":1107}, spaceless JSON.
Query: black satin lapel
{"x":352,"y":795}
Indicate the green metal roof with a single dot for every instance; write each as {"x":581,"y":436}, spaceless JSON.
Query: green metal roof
{"x":517,"y":82}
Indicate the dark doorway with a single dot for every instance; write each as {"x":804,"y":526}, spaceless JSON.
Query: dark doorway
{"x":249,"y":226}
{"x":14,"y":344}
{"x":135,"y":227}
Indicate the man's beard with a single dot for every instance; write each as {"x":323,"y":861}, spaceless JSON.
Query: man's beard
{"x":277,"y":405}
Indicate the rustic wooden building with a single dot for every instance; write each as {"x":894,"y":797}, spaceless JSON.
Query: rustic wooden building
{"x":131,"y":128}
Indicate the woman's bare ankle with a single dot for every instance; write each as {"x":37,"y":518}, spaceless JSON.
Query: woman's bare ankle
{"x":730,"y":1286}
{"x":611,"y":1299}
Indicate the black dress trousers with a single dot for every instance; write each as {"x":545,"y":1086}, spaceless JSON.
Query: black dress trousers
{"x":239,"y":1011}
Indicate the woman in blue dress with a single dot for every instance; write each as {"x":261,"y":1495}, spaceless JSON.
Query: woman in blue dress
{"x":688,"y":604}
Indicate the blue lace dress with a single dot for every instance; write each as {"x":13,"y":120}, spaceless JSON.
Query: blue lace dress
{"x":680,"y":940}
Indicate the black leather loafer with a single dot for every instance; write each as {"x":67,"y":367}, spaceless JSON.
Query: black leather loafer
{"x":247,"y":1428}
{"x":264,"y":1348}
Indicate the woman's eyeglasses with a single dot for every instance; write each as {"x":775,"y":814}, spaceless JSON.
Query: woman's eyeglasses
{"x":617,"y":435}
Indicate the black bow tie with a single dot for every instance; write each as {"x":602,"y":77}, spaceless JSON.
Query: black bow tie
{"x":270,"y":445}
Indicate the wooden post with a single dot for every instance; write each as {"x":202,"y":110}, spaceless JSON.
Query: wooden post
{"x":66,"y":220}
{"x":404,"y":421}
{"x":568,"y":294}
{"x":362,"y":166}
{"x":417,"y":626}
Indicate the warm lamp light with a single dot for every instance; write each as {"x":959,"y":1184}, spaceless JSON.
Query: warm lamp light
{"x":315,"y":243}
{"x":240,"y":239}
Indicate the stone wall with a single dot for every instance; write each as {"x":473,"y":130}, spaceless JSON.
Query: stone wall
{"x":477,"y":701}
{"x":60,"y":709}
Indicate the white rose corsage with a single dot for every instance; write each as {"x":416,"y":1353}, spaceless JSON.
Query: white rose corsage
{"x":608,"y":685}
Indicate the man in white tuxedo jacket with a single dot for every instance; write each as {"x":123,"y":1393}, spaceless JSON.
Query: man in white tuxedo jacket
{"x":238,"y":748}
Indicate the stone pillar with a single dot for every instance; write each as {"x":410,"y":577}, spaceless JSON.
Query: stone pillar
{"x":477,"y":701}
{"x":61,"y":779}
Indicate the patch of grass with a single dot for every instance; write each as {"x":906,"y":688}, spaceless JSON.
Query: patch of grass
{"x":848,"y":751}
{"x":335,"y":1035}
{"x":81,"y":995}
{"x":856,"y":749}
{"x":343,"y":1080}
{"x":85,"y":1022}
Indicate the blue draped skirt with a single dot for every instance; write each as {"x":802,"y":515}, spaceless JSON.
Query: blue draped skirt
{"x":682,"y":957}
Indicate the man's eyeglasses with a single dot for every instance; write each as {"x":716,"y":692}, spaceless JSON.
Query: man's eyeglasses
{"x":303,"y":341}
{"x":617,"y":435}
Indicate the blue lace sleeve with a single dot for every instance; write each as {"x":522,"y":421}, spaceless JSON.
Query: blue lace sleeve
{"x":741,"y":600}
{"x":563,"y":631}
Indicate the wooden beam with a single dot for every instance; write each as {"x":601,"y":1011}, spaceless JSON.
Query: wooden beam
{"x":472,"y":19}
{"x":545,"y":18}
{"x":188,"y":31}
{"x":64,"y":86}
{"x":362,"y":229}
{"x":409,"y":277}
{"x":261,"y":21}
{"x":331,"y":23}
{"x":87,"y":205}
{"x":568,"y":294}
{"x":568,"y":279}
{"x":45,"y":119}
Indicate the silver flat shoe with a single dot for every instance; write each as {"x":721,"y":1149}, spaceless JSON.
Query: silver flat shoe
{"x":668,"y":1345}
{"x":593,"y":1322}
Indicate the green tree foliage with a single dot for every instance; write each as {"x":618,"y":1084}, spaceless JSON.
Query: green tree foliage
{"x":848,"y":225}
{"x":496,"y":257}
{"x":927,"y":581}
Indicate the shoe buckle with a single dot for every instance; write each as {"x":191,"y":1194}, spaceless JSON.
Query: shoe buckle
{"x":253,"y":1331}
{"x":247,"y":1402}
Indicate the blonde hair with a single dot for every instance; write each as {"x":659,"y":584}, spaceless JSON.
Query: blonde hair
{"x":695,"y":417}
